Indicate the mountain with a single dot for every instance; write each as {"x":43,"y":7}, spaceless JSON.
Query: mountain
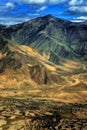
{"x":52,"y":37}
{"x":23,"y":66}
{"x":45,"y":90}
{"x":24,"y":72}
{"x":59,"y":70}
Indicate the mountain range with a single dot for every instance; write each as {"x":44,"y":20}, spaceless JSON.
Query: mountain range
{"x":45,"y":57}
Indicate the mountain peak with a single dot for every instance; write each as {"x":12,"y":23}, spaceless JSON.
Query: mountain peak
{"x":48,"y":16}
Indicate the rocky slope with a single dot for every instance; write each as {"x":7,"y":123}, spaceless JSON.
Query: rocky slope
{"x":21,"y":65}
{"x":52,"y":37}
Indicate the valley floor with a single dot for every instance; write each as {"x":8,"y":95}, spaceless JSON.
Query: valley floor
{"x":28,"y":114}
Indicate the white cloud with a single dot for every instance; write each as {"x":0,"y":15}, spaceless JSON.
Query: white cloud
{"x":75,"y":2}
{"x":78,"y":9}
{"x":35,"y":1}
{"x":9,"y":5}
{"x":42,"y":9}
{"x":40,"y":1}
{"x":15,"y":20}
{"x":56,"y":1}
{"x":31,"y":1}
{"x":12,"y":21}
{"x":80,"y":19}
{"x":35,"y":14}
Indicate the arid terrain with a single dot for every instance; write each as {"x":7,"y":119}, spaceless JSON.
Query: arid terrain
{"x":28,"y":114}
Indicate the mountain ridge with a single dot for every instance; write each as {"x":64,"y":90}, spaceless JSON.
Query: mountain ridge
{"x":49,"y":34}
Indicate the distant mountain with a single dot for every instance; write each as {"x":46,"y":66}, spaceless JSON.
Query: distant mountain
{"x":53,"y":37}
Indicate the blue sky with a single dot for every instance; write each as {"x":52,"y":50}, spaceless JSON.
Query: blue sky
{"x":18,"y":11}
